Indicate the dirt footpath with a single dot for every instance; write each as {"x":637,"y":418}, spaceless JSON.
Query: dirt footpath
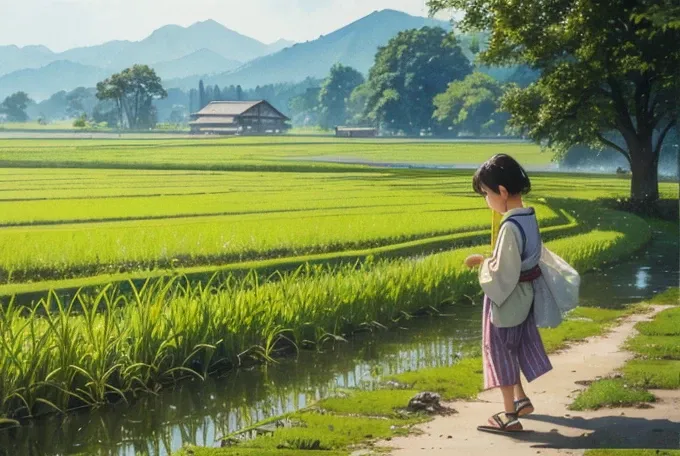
{"x":555,"y":430}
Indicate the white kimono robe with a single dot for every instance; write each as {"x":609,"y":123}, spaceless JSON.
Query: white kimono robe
{"x":499,"y":278}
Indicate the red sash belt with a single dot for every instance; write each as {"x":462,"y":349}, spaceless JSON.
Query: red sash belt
{"x":530,"y":275}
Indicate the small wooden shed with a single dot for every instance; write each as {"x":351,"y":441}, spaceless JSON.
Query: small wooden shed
{"x":356,"y":132}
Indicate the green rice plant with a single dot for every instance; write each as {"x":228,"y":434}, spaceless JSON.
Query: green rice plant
{"x":26,"y":353}
{"x":63,"y":324}
{"x":142,"y":245}
{"x":98,"y":365}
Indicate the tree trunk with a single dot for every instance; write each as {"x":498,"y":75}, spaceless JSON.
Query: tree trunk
{"x":645,"y":169}
{"x":119,"y":106}
{"x":126,"y":110}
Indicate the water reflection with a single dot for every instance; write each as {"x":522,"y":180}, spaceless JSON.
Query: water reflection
{"x":650,"y":271}
{"x":642,"y":279}
{"x":201,"y":412}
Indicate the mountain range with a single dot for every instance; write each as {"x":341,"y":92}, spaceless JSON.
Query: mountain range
{"x":168,"y":43}
{"x":40,"y":83}
{"x":205,"y":50}
{"x":355,"y":45}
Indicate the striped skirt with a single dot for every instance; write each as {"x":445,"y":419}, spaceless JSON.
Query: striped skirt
{"x":506,"y":351}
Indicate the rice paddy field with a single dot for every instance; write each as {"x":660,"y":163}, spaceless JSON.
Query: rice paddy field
{"x":248,"y":153}
{"x":81,"y":209}
{"x":344,"y":247}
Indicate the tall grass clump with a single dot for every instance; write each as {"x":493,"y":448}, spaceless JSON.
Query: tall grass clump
{"x":57,"y":356}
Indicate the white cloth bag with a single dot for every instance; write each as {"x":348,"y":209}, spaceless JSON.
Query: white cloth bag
{"x":556,"y":291}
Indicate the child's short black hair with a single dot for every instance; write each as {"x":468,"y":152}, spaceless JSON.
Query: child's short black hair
{"x":502,"y":170}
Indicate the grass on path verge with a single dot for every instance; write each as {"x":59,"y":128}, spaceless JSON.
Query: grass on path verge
{"x":657,"y":363}
{"x":610,"y":393}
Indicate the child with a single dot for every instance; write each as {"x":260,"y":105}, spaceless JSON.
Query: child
{"x":510,"y":338}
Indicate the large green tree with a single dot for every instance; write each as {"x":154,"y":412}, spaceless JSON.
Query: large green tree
{"x":334,"y":95}
{"x":608,"y":73}
{"x":409,"y":71}
{"x":472,"y":105}
{"x":14,"y":106}
{"x":133,"y":91}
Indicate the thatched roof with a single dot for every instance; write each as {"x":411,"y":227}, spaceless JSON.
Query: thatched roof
{"x":235,"y":108}
{"x":227,"y":108}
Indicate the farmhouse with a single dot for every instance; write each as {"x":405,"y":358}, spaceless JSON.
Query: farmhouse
{"x":238,"y":117}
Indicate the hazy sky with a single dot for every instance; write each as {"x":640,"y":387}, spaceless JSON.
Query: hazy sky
{"x":63,"y":24}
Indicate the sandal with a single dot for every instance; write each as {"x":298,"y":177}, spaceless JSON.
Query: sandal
{"x":524,"y":407}
{"x":503,"y":423}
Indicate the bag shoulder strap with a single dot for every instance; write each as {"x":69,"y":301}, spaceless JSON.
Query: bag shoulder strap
{"x":521,"y":231}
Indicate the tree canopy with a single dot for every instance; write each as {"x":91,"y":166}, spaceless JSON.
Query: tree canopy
{"x":14,"y":106}
{"x":472,"y":105}
{"x":608,"y":73}
{"x":133,"y":91}
{"x":409,"y":71}
{"x":335,"y":93}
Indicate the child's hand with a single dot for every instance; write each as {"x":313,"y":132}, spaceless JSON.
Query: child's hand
{"x":474,"y":260}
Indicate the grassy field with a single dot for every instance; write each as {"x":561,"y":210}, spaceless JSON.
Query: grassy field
{"x":266,"y":153}
{"x":59,"y":223}
{"x":67,"y":125}
{"x":56,"y":125}
{"x":118,"y":222}
{"x":233,"y":217}
{"x":86,"y":210}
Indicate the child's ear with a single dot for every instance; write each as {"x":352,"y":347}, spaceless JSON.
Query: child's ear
{"x":503,"y":192}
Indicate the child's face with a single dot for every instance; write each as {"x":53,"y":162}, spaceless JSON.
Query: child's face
{"x":496,"y":201}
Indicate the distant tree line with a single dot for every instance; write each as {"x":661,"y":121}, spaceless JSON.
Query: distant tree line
{"x":199,"y":99}
{"x":422,"y":82}
{"x":280,"y":95}
{"x":425,"y":89}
